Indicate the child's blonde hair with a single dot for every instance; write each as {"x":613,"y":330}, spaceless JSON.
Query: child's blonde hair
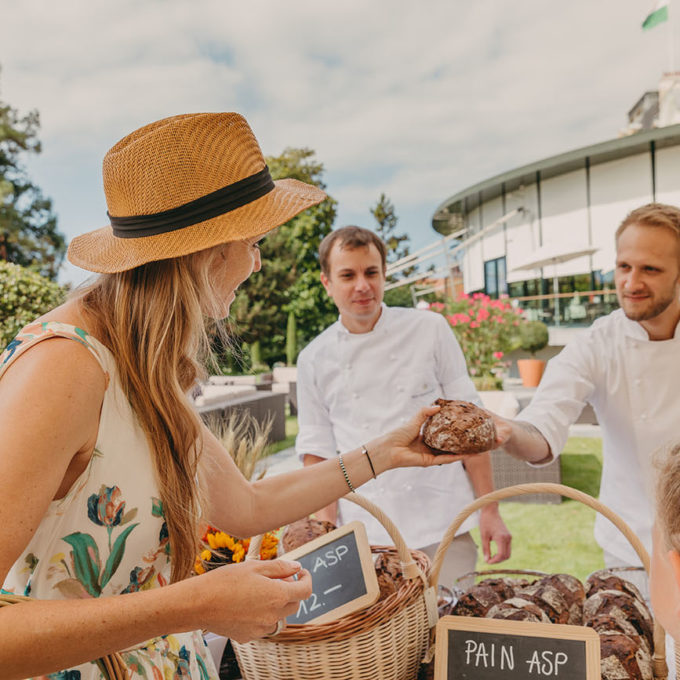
{"x":668,"y":494}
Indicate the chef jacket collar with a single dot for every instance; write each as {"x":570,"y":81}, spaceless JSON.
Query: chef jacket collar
{"x":634,"y":329}
{"x":378,"y":324}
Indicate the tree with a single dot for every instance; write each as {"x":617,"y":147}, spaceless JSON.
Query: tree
{"x":24,"y":295}
{"x":397,"y":247}
{"x":289,"y":280}
{"x":28,"y":227}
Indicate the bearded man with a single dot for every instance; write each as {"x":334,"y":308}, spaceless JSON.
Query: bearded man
{"x":627,"y":365}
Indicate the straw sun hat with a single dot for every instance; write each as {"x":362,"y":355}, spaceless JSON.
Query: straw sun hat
{"x":183,"y":184}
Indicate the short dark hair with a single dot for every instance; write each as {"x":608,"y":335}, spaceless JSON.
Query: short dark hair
{"x":350,"y":237}
{"x":653,"y":215}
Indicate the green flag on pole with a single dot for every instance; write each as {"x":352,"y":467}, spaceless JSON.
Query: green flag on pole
{"x":658,"y":15}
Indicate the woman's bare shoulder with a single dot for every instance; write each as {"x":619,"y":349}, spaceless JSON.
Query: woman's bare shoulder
{"x":54,"y":366}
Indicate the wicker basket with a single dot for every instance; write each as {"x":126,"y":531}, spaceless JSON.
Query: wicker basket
{"x":659,"y":658}
{"x":111,"y":666}
{"x":385,"y":641}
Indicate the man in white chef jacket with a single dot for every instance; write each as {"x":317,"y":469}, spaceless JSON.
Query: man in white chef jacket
{"x":369,"y":372}
{"x":628,"y":367}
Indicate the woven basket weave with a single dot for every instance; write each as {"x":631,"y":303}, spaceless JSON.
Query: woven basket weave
{"x":660,"y":667}
{"x":112,"y":666}
{"x":383,"y":642}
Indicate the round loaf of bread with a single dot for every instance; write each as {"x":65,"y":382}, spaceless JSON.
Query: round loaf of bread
{"x":389,"y":572}
{"x":621,"y":606}
{"x":604,"y":624}
{"x":606,"y":580}
{"x":459,"y":427}
{"x":572,"y":591}
{"x":505,"y":587}
{"x":518,"y":609}
{"x":303,"y":531}
{"x":386,"y":584}
{"x":549,"y":599}
{"x":476,"y":601}
{"x":622,"y":658}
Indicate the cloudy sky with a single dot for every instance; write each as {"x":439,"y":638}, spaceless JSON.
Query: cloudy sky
{"x":418,"y":100}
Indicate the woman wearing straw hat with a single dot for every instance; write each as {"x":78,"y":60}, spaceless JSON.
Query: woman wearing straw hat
{"x":101,"y":452}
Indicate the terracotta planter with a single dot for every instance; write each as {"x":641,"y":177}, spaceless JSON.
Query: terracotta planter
{"x":530,"y":370}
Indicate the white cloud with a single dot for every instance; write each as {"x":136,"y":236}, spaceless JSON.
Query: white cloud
{"x":418,"y":100}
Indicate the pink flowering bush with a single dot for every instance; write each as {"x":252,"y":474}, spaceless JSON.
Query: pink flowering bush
{"x":486,"y":330}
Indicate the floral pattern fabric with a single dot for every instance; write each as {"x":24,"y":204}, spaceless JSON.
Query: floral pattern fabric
{"x":108,"y":535}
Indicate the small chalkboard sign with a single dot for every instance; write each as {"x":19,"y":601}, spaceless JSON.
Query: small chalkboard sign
{"x":491,"y":649}
{"x":343,"y":574}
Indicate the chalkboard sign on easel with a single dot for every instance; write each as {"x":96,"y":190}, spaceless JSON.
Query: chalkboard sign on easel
{"x":490,"y":649}
{"x":343,"y":574}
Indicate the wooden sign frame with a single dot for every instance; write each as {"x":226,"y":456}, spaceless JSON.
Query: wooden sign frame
{"x":370,"y":578}
{"x":515,"y":629}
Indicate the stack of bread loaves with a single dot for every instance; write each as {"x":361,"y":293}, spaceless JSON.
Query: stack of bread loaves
{"x":610,"y":605}
{"x":617,"y":611}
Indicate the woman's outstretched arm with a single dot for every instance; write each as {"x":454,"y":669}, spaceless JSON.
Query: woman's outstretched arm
{"x":250,"y":508}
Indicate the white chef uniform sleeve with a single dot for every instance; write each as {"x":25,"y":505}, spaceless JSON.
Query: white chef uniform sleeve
{"x":315,"y":434}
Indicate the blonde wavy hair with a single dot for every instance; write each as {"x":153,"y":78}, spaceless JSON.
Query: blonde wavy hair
{"x":152,"y":319}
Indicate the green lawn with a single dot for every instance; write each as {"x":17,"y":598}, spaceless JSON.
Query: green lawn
{"x":558,"y":538}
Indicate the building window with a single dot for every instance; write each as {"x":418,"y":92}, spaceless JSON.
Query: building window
{"x":495,"y":283}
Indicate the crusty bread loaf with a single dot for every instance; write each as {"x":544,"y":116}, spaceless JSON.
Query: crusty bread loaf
{"x":505,"y":587}
{"x":604,"y":624}
{"x":620,"y":606}
{"x":549,"y":599}
{"x":573,"y":592}
{"x":518,"y":609}
{"x":303,"y":531}
{"x":623,"y":658}
{"x":476,"y":601}
{"x":389,"y":572}
{"x":606,"y":580}
{"x":459,"y":427}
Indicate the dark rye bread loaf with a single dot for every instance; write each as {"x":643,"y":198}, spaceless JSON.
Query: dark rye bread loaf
{"x":505,"y":587}
{"x":476,"y":601}
{"x":621,"y":606}
{"x":303,"y":531}
{"x":605,"y":580}
{"x":459,"y":427}
{"x":623,"y":658}
{"x":572,"y":591}
{"x":549,"y":599}
{"x":604,"y":624}
{"x":518,"y":609}
{"x":389,"y":572}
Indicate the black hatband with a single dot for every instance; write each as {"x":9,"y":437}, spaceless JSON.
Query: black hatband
{"x":204,"y":208}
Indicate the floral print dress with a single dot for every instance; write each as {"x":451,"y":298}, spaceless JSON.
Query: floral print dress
{"x":107,"y":536}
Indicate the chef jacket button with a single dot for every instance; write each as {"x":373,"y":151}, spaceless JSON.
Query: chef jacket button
{"x":409,"y":487}
{"x":402,"y":420}
{"x":400,"y":388}
{"x":643,"y":416}
{"x":348,"y":367}
{"x":393,"y":357}
{"x":637,"y":381}
{"x":355,"y":395}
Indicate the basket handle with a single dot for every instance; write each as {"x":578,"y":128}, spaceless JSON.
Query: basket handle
{"x":660,"y":668}
{"x":410,"y":568}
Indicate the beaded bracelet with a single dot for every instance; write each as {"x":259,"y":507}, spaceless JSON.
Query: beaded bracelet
{"x":344,"y":472}
{"x":370,"y":462}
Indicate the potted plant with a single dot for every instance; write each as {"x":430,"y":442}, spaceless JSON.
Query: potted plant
{"x":533,"y":336}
